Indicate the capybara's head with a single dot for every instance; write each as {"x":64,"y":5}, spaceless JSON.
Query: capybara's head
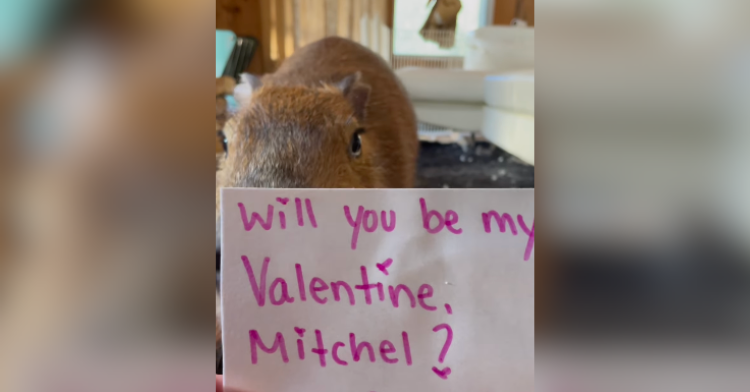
{"x":303,"y":137}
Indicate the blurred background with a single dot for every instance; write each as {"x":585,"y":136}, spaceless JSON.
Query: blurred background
{"x":643,"y":278}
{"x":107,"y":187}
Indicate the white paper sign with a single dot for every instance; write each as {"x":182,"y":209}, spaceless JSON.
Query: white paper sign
{"x":378,"y":290}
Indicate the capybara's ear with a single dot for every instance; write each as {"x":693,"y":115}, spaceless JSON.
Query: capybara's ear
{"x":346,"y":84}
{"x":356,"y":92}
{"x":248,"y":83}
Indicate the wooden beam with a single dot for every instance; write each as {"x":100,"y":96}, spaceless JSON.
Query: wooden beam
{"x":529,"y":11}
{"x":389,"y":13}
{"x":505,"y":12}
{"x":265,"y":45}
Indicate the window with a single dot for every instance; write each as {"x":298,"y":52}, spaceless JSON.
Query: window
{"x":410,"y":16}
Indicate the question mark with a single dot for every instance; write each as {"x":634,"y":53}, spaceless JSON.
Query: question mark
{"x":443,"y":373}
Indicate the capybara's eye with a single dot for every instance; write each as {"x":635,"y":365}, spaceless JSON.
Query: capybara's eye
{"x":355,"y":147}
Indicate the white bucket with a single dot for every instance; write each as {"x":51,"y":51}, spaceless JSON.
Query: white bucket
{"x":500,"y":48}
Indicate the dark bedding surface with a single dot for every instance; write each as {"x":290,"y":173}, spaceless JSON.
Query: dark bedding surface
{"x":480,"y":165}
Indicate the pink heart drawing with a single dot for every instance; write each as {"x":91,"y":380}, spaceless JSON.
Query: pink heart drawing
{"x":442,"y":373}
{"x":282,"y":200}
{"x":384,"y":266}
{"x":300,"y":331}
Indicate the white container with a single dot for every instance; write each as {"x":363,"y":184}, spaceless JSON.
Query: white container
{"x":500,"y":48}
{"x":511,"y":131}
{"x":511,"y":91}
{"x":443,"y":85}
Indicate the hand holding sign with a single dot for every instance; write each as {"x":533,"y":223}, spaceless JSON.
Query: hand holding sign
{"x":356,"y":290}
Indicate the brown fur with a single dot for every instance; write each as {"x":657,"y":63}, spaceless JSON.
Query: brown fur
{"x":297,"y":129}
